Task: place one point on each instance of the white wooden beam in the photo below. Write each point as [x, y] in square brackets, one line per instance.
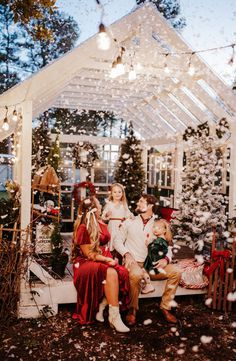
[232, 187]
[25, 163]
[185, 115]
[178, 169]
[74, 138]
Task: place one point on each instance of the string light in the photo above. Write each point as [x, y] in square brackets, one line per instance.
[5, 125]
[166, 69]
[132, 73]
[191, 69]
[231, 60]
[14, 115]
[118, 68]
[113, 73]
[103, 40]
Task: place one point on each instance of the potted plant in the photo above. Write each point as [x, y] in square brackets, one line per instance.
[60, 256]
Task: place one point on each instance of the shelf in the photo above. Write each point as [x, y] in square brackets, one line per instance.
[45, 215]
[46, 189]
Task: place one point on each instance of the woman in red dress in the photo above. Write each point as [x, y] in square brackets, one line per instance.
[98, 279]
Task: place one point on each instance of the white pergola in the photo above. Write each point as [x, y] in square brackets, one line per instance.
[160, 105]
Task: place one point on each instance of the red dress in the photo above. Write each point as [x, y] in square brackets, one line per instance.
[89, 277]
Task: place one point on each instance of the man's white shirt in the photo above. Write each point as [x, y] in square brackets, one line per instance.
[131, 238]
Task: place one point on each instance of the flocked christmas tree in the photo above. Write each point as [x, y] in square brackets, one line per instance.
[129, 171]
[201, 205]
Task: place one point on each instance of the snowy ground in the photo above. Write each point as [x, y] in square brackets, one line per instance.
[200, 335]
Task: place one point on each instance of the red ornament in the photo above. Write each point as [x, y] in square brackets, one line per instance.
[76, 191]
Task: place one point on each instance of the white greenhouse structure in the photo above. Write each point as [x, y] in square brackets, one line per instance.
[163, 100]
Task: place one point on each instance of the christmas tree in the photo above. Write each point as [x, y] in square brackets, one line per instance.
[54, 158]
[41, 146]
[201, 206]
[129, 171]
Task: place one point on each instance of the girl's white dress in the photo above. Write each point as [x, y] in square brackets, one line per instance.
[119, 212]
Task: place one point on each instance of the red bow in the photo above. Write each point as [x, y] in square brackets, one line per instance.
[219, 257]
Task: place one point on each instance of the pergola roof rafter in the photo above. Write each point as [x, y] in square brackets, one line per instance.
[156, 102]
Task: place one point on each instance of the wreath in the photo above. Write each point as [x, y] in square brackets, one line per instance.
[90, 191]
[189, 133]
[89, 150]
[222, 128]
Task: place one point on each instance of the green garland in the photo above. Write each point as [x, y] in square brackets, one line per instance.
[91, 155]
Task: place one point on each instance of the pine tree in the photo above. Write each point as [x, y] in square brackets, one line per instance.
[129, 171]
[41, 146]
[201, 206]
[64, 34]
[24, 11]
[12, 39]
[54, 158]
[87, 122]
[170, 9]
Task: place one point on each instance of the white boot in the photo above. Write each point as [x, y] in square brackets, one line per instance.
[115, 319]
[102, 306]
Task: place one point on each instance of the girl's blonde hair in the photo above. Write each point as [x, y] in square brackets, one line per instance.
[87, 215]
[123, 198]
[168, 233]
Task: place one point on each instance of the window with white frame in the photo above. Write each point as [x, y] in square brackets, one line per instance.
[105, 166]
[161, 176]
[161, 170]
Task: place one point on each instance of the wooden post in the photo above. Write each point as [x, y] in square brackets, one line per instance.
[22, 168]
[232, 187]
[22, 175]
[145, 162]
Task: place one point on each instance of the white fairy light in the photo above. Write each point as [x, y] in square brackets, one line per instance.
[132, 74]
[113, 73]
[191, 70]
[5, 125]
[120, 69]
[103, 40]
[14, 115]
[166, 69]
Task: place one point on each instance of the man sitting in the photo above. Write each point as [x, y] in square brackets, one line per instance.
[130, 243]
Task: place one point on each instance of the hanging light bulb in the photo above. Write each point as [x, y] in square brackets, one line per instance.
[103, 40]
[132, 73]
[5, 125]
[120, 69]
[166, 69]
[191, 70]
[14, 115]
[113, 73]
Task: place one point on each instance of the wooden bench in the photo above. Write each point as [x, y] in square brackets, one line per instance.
[49, 292]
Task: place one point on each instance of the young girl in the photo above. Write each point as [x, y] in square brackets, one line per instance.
[157, 245]
[116, 210]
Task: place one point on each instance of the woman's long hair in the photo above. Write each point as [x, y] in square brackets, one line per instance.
[87, 215]
[123, 198]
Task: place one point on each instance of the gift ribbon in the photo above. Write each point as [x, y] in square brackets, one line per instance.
[219, 257]
[91, 212]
